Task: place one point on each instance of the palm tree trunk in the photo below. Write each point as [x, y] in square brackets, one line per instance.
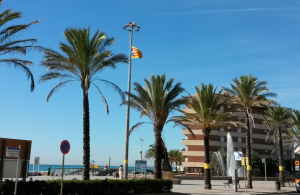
[248, 152]
[157, 153]
[86, 136]
[206, 160]
[280, 155]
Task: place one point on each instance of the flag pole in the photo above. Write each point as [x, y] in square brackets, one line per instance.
[131, 26]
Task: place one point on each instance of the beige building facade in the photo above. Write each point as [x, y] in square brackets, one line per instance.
[194, 151]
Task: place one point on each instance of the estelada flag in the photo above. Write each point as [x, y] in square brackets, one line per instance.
[136, 53]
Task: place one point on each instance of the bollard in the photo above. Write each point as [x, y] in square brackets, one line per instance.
[277, 185]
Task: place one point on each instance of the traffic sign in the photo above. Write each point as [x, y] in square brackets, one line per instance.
[245, 161]
[36, 160]
[238, 155]
[65, 147]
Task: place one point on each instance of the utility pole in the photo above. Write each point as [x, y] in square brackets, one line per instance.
[130, 26]
[141, 149]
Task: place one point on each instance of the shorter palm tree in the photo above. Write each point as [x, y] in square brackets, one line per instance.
[206, 104]
[156, 101]
[149, 154]
[278, 117]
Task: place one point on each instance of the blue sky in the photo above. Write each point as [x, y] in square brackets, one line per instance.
[207, 41]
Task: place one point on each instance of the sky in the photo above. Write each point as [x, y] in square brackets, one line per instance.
[195, 41]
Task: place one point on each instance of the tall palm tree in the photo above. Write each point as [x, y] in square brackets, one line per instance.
[156, 101]
[206, 104]
[82, 58]
[248, 92]
[8, 44]
[278, 117]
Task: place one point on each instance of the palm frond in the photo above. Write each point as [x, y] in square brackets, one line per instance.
[136, 126]
[103, 98]
[57, 87]
[22, 64]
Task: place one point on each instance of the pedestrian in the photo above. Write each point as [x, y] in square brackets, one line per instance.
[105, 167]
[121, 172]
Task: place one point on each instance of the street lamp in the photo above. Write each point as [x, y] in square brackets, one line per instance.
[130, 26]
[141, 149]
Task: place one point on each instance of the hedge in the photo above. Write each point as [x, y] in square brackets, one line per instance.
[88, 187]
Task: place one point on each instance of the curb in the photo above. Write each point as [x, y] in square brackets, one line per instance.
[265, 193]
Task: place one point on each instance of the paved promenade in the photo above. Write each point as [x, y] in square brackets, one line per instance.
[195, 187]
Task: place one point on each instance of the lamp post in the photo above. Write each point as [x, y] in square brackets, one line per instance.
[141, 149]
[130, 26]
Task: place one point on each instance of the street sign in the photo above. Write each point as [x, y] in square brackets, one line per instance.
[65, 147]
[140, 166]
[238, 155]
[245, 161]
[12, 152]
[36, 160]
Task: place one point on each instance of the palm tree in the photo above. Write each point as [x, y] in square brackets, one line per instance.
[8, 45]
[149, 154]
[206, 104]
[156, 101]
[248, 92]
[292, 135]
[172, 156]
[278, 117]
[81, 59]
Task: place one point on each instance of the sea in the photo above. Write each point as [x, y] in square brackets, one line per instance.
[44, 167]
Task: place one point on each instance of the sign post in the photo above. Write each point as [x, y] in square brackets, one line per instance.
[14, 152]
[37, 163]
[64, 148]
[245, 162]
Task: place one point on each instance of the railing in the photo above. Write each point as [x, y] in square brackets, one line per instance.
[74, 171]
[78, 171]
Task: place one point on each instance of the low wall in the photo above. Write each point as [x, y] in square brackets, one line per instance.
[195, 177]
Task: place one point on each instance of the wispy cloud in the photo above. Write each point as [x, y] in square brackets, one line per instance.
[227, 11]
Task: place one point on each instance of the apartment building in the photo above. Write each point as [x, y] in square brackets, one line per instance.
[218, 140]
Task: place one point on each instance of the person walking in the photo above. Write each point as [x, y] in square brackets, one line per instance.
[105, 167]
[121, 172]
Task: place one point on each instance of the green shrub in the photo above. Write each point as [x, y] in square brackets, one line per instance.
[87, 187]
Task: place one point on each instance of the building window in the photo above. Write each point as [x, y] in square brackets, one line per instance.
[221, 129]
[266, 131]
[229, 127]
[222, 149]
[222, 108]
[239, 119]
[266, 150]
[238, 109]
[239, 139]
[240, 149]
[222, 138]
[284, 152]
[251, 141]
[228, 106]
[239, 129]
[250, 130]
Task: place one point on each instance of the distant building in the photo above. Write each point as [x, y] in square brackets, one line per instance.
[194, 152]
